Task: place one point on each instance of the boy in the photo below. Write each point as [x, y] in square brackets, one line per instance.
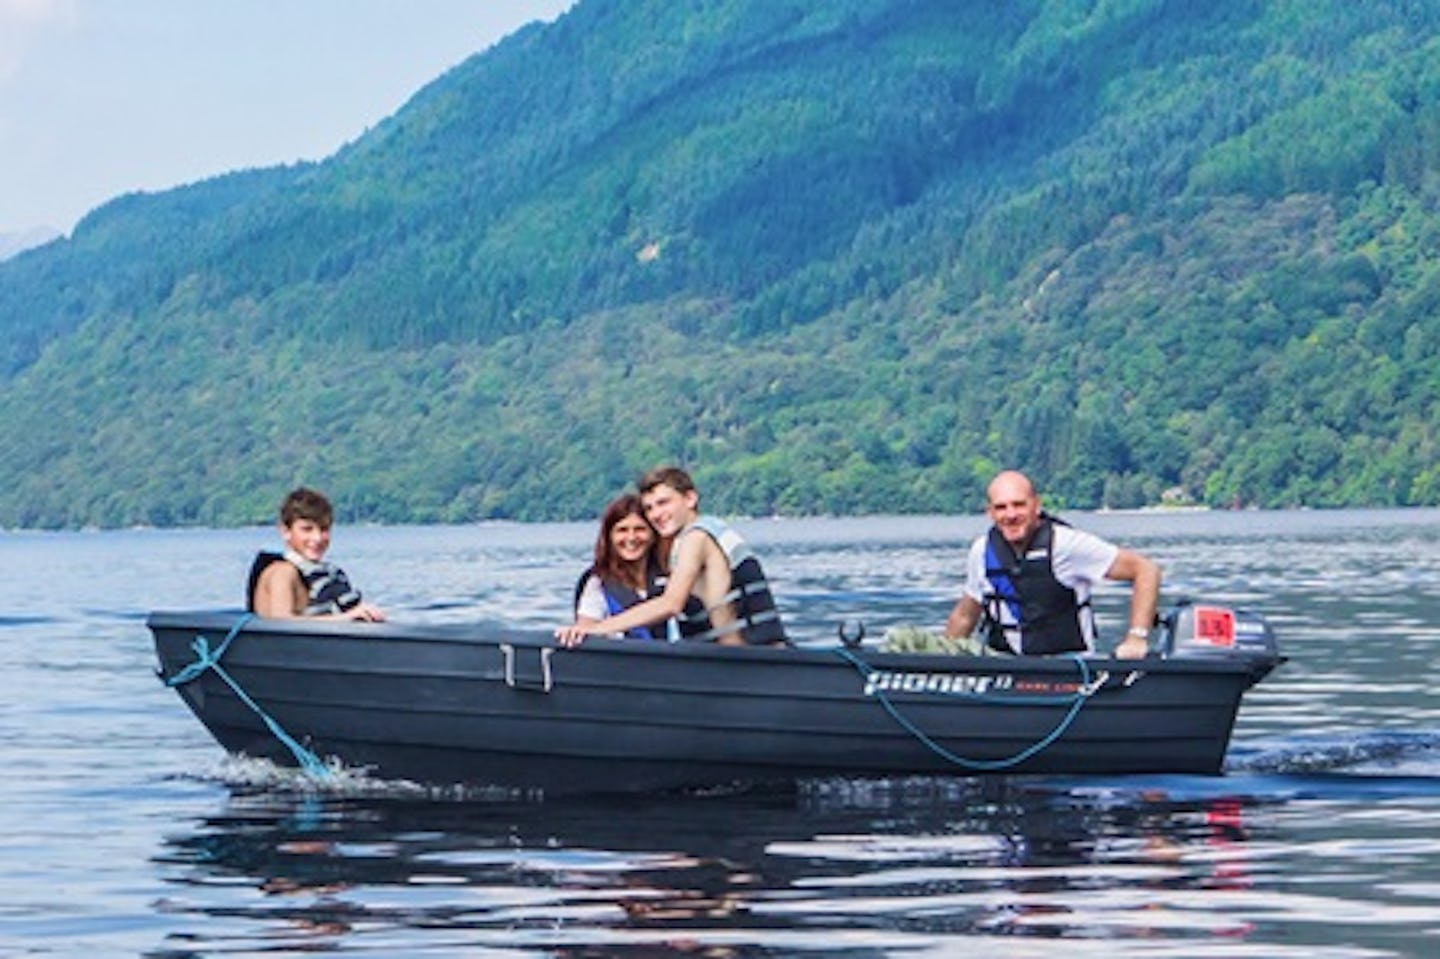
[299, 582]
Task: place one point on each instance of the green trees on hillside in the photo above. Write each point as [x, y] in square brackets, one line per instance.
[850, 257]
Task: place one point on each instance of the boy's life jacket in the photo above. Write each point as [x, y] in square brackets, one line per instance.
[327, 587]
[756, 617]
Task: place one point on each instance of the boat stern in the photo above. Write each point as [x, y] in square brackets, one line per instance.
[1205, 630]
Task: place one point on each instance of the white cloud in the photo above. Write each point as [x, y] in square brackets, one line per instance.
[21, 21]
[35, 11]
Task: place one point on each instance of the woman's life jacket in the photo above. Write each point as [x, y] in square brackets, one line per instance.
[327, 587]
[620, 596]
[1050, 616]
[756, 618]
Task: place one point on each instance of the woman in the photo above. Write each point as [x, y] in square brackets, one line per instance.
[625, 571]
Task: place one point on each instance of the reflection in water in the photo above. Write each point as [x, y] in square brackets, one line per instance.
[863, 867]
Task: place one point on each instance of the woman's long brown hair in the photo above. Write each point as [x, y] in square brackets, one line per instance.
[607, 561]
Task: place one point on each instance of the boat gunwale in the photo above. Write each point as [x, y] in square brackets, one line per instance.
[490, 634]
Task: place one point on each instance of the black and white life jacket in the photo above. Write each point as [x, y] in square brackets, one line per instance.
[756, 618]
[327, 587]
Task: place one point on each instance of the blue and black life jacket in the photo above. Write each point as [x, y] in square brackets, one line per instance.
[1046, 612]
[327, 587]
[757, 619]
[619, 596]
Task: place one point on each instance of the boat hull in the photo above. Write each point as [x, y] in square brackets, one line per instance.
[477, 705]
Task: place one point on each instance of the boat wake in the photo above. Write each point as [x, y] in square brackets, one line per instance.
[1382, 750]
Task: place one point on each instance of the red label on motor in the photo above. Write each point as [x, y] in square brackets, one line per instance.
[1214, 625]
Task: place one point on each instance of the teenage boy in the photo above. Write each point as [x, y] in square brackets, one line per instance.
[299, 582]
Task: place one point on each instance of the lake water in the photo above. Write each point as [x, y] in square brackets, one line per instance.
[125, 831]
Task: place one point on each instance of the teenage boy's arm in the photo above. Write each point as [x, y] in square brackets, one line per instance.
[275, 592]
[689, 560]
[361, 612]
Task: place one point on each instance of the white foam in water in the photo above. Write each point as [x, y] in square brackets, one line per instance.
[248, 774]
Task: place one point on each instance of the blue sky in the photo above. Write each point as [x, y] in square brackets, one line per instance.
[104, 97]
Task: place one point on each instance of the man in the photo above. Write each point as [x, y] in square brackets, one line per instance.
[1028, 580]
[299, 582]
[715, 588]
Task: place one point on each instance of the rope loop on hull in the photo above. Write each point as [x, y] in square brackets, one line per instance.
[1087, 687]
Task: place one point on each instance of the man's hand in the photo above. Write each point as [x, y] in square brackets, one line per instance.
[1133, 647]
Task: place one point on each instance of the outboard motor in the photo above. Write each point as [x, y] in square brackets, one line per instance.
[1191, 629]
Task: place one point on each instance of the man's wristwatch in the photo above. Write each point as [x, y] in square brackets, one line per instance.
[1139, 632]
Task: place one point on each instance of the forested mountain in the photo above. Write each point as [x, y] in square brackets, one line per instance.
[836, 258]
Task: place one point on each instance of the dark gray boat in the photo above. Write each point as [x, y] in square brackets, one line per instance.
[482, 706]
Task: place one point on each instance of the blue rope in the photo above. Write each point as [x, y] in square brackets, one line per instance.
[1076, 702]
[205, 659]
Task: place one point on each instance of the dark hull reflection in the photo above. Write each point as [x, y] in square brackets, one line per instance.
[734, 874]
